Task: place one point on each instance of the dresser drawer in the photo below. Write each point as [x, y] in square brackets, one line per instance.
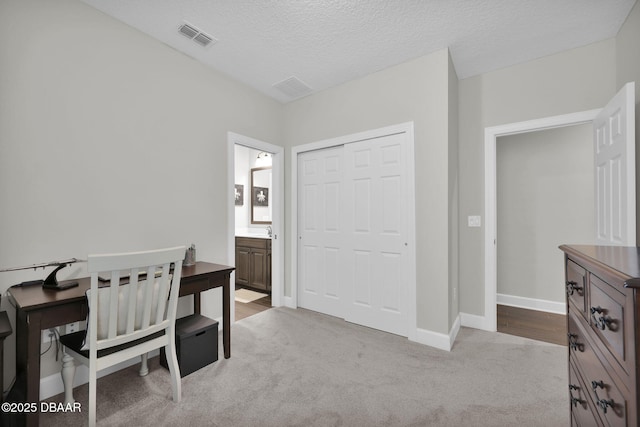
[605, 395]
[576, 286]
[607, 318]
[582, 410]
[580, 346]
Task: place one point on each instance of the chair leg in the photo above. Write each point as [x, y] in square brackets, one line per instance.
[68, 373]
[144, 366]
[174, 369]
[93, 378]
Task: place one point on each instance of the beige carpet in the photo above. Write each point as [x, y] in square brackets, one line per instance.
[300, 368]
[246, 295]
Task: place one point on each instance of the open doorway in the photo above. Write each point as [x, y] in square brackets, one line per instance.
[545, 197]
[615, 186]
[489, 320]
[255, 221]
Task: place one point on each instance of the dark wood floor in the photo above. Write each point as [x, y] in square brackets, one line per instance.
[250, 308]
[537, 325]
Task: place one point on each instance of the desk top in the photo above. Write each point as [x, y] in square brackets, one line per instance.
[35, 296]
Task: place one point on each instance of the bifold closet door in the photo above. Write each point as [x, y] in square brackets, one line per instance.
[376, 268]
[352, 231]
[320, 234]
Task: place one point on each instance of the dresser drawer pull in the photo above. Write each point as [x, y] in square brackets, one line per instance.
[574, 400]
[602, 321]
[573, 286]
[602, 403]
[573, 342]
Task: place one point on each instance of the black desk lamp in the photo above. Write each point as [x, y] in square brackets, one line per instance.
[51, 282]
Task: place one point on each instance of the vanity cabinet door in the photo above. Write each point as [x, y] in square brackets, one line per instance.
[253, 263]
[259, 269]
[243, 265]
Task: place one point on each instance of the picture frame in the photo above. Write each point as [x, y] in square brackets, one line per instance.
[260, 196]
[239, 194]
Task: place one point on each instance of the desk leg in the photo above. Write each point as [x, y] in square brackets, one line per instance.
[196, 303]
[28, 358]
[226, 316]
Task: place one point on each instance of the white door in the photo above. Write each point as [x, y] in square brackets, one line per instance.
[321, 284]
[376, 206]
[614, 140]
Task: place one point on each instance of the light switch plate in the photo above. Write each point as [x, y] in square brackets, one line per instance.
[474, 221]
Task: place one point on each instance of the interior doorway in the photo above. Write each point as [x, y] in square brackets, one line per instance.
[255, 219]
[489, 320]
[545, 198]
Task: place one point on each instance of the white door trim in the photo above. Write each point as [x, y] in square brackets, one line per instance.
[489, 320]
[277, 197]
[293, 232]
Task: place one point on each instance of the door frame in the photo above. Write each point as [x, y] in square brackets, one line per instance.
[489, 321]
[277, 220]
[292, 301]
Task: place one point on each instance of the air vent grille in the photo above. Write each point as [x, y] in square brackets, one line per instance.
[194, 33]
[188, 30]
[203, 39]
[293, 87]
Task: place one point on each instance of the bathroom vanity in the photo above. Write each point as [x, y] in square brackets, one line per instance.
[253, 262]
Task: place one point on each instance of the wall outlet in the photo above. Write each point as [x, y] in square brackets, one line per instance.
[474, 221]
[47, 335]
[73, 327]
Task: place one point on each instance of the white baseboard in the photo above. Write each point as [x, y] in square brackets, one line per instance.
[289, 302]
[436, 339]
[52, 385]
[477, 322]
[532, 303]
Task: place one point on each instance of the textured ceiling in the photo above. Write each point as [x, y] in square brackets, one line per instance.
[324, 43]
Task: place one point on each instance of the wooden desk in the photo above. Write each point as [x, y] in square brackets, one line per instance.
[38, 309]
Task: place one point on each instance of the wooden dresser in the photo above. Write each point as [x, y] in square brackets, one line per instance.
[603, 306]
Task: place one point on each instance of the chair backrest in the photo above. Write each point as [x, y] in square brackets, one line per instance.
[138, 298]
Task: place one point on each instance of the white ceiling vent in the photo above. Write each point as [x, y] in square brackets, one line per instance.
[194, 33]
[293, 87]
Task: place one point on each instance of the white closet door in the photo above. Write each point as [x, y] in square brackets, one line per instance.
[320, 253]
[375, 248]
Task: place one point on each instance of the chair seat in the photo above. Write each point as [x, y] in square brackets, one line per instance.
[75, 341]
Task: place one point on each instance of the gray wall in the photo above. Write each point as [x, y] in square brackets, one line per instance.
[415, 91]
[84, 97]
[545, 197]
[628, 70]
[454, 203]
[85, 100]
[575, 80]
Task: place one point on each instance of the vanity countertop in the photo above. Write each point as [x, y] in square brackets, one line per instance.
[253, 235]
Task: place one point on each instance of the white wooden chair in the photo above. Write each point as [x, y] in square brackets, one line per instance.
[129, 315]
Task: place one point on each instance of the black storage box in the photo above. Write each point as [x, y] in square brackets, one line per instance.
[196, 343]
